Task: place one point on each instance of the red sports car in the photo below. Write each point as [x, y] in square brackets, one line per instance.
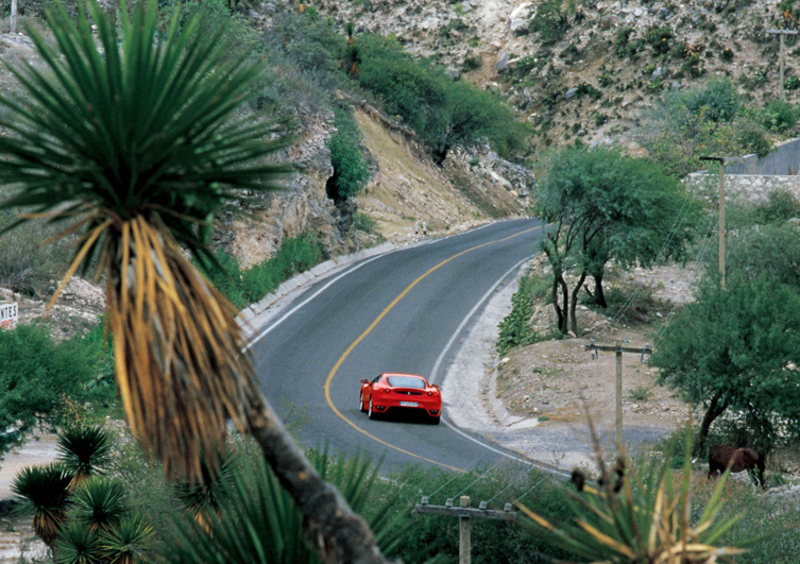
[394, 392]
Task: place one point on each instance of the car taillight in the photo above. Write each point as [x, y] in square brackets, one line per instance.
[387, 390]
[430, 393]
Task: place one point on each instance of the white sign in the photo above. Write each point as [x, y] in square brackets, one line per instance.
[9, 315]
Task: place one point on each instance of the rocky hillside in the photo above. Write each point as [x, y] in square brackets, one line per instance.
[580, 68]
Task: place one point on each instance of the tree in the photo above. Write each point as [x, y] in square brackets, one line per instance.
[135, 145]
[602, 206]
[732, 349]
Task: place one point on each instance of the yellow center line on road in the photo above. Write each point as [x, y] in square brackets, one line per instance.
[372, 326]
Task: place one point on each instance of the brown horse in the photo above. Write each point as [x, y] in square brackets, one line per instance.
[738, 459]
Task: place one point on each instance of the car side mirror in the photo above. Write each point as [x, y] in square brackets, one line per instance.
[435, 386]
[364, 381]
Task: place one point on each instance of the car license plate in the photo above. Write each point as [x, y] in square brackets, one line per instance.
[408, 404]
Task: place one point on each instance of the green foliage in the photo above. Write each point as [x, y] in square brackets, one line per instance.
[605, 205]
[658, 38]
[216, 14]
[295, 255]
[641, 393]
[444, 113]
[779, 116]
[42, 493]
[622, 42]
[350, 172]
[364, 222]
[84, 450]
[726, 55]
[260, 523]
[792, 83]
[515, 329]
[704, 120]
[772, 249]
[88, 103]
[241, 288]
[729, 350]
[471, 64]
[639, 514]
[37, 376]
[99, 503]
[26, 266]
[492, 541]
[717, 101]
[551, 21]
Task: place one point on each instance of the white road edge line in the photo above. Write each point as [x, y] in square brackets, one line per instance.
[286, 315]
[448, 346]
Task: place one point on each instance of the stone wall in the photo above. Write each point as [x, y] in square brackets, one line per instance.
[744, 187]
[784, 160]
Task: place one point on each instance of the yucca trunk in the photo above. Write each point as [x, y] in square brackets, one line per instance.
[177, 344]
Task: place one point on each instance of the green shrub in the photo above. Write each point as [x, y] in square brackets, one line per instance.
[515, 329]
[364, 222]
[350, 172]
[551, 21]
[471, 64]
[444, 113]
[726, 54]
[779, 116]
[781, 206]
[753, 140]
[38, 377]
[717, 101]
[792, 83]
[622, 41]
[295, 255]
[658, 38]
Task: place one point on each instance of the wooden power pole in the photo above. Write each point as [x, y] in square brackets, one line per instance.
[782, 33]
[721, 161]
[465, 513]
[618, 349]
[13, 22]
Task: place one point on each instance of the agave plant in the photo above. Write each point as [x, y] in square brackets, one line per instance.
[639, 517]
[84, 451]
[133, 136]
[258, 523]
[43, 492]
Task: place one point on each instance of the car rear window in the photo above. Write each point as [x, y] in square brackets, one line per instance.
[406, 382]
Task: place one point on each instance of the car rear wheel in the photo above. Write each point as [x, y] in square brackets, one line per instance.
[371, 412]
[361, 402]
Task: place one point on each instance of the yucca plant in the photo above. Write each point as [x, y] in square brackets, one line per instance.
[42, 491]
[127, 542]
[85, 451]
[639, 517]
[99, 503]
[133, 136]
[258, 523]
[78, 544]
[203, 497]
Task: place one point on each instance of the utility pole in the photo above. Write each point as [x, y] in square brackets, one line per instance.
[721, 161]
[13, 24]
[465, 513]
[782, 33]
[618, 349]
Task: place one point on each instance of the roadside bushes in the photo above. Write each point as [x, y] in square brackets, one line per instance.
[296, 254]
[39, 379]
[350, 172]
[443, 112]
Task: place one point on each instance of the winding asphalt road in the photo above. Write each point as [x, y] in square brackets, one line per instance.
[402, 311]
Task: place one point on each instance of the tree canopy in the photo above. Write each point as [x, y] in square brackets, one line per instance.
[734, 349]
[604, 205]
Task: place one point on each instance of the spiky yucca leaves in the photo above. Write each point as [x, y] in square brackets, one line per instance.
[259, 524]
[203, 497]
[639, 518]
[78, 544]
[43, 492]
[135, 145]
[99, 503]
[128, 542]
[84, 451]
